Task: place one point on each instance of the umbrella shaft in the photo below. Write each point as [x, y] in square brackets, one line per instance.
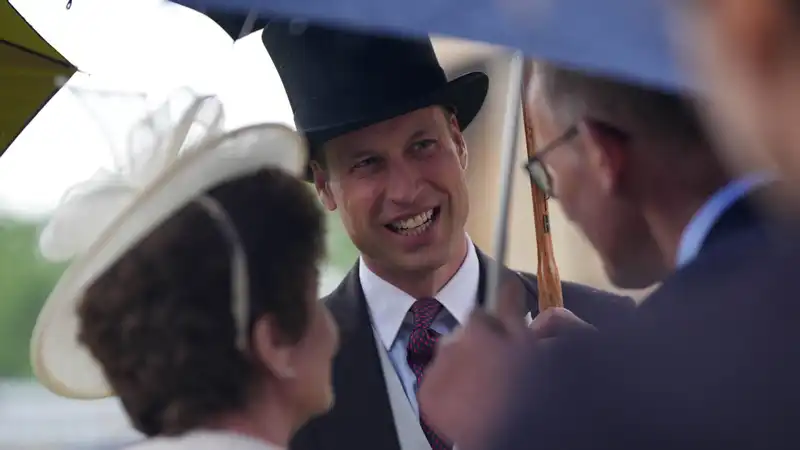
[249, 23]
[510, 136]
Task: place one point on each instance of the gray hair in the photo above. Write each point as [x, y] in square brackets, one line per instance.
[659, 117]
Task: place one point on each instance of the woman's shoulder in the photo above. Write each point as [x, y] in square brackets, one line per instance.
[160, 444]
[203, 440]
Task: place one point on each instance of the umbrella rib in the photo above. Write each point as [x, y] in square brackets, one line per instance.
[63, 63]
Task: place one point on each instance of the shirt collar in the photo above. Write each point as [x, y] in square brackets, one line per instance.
[697, 230]
[388, 305]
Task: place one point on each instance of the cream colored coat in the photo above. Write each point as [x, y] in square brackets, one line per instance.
[205, 440]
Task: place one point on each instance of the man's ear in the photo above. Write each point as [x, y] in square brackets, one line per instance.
[460, 142]
[271, 349]
[606, 152]
[463, 154]
[323, 186]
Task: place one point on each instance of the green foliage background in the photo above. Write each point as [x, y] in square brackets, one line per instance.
[26, 279]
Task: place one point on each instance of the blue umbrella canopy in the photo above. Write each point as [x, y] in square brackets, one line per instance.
[626, 39]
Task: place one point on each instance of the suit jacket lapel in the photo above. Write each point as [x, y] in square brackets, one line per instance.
[517, 295]
[362, 411]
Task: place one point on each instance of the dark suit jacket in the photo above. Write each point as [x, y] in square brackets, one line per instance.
[361, 417]
[710, 360]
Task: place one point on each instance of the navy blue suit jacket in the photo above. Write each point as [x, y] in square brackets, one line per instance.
[710, 360]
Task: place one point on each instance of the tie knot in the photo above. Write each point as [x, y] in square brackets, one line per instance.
[423, 311]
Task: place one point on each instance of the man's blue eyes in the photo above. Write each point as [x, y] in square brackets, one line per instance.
[418, 146]
[365, 162]
[426, 144]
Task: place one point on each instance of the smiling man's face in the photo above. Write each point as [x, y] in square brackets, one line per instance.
[400, 189]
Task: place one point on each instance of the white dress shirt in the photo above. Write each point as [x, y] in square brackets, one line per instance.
[390, 311]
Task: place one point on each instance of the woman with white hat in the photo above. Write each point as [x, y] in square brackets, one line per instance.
[192, 289]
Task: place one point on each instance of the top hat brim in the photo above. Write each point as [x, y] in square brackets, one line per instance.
[465, 95]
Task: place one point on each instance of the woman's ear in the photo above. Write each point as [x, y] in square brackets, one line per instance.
[270, 348]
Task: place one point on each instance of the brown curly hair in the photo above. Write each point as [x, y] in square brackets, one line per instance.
[159, 320]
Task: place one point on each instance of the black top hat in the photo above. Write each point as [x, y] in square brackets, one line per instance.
[339, 81]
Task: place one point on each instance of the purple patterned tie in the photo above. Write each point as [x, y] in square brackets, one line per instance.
[420, 351]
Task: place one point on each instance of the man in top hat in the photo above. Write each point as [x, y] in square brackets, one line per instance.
[384, 127]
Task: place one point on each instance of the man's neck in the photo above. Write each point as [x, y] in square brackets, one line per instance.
[705, 216]
[667, 226]
[680, 225]
[671, 198]
[423, 282]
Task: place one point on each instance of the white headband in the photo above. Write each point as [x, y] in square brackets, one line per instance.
[240, 277]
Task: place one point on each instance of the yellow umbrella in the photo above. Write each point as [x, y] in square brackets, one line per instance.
[29, 70]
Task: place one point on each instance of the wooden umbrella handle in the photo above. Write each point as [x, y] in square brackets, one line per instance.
[550, 294]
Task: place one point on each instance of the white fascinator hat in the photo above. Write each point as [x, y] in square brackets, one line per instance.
[167, 164]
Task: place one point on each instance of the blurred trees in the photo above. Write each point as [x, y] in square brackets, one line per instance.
[26, 279]
[342, 254]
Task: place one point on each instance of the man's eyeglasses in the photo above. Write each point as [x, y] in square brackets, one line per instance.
[538, 172]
